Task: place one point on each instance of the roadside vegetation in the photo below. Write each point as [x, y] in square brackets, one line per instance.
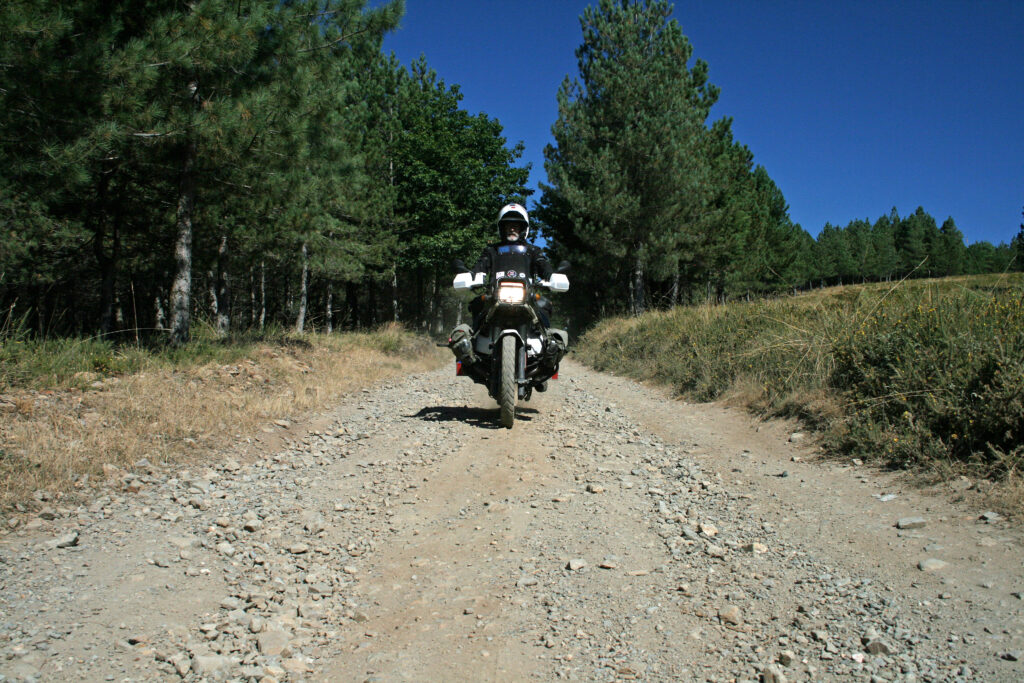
[72, 411]
[924, 374]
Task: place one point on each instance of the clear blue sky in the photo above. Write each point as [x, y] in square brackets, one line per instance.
[852, 107]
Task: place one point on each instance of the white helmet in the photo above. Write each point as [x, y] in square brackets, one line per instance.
[513, 212]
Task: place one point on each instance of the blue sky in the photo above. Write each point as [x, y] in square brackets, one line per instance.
[853, 108]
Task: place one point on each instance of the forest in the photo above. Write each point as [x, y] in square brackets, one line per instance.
[256, 163]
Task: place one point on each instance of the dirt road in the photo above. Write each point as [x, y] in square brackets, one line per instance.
[613, 534]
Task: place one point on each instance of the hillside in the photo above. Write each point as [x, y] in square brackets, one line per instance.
[924, 374]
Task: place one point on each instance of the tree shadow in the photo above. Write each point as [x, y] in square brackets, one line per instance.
[485, 418]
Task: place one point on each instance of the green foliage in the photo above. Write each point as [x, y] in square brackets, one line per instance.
[934, 373]
[46, 364]
[914, 236]
[305, 174]
[268, 139]
[922, 372]
[895, 247]
[626, 170]
[649, 202]
[452, 173]
[654, 205]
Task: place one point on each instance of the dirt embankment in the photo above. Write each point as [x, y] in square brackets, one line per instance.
[613, 534]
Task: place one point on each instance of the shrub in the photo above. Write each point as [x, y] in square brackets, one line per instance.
[914, 373]
[935, 373]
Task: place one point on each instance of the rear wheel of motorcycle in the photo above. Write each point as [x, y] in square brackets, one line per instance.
[509, 388]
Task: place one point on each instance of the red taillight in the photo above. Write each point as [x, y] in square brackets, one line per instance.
[554, 376]
[458, 368]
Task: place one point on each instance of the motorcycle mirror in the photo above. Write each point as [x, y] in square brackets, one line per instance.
[459, 267]
[563, 267]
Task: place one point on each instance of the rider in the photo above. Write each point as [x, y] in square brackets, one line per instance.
[513, 228]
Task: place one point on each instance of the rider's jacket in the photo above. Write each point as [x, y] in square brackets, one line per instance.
[540, 266]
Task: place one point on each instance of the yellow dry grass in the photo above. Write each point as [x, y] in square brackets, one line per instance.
[52, 438]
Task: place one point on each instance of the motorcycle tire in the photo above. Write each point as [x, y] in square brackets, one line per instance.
[509, 389]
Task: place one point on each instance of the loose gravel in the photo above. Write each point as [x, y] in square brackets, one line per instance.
[612, 535]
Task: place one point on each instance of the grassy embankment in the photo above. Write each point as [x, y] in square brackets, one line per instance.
[70, 407]
[922, 374]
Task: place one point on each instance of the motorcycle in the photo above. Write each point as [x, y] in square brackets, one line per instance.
[510, 338]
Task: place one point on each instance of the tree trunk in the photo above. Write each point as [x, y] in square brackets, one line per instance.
[435, 323]
[352, 302]
[159, 314]
[135, 308]
[40, 307]
[263, 294]
[371, 301]
[421, 302]
[391, 180]
[674, 291]
[636, 290]
[329, 313]
[108, 268]
[181, 290]
[223, 288]
[118, 311]
[300, 320]
[211, 291]
[394, 293]
[252, 298]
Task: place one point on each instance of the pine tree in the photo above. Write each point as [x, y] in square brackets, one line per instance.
[453, 171]
[948, 251]
[883, 246]
[60, 197]
[627, 174]
[914, 234]
[833, 254]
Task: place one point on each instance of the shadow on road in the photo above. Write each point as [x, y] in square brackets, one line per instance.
[485, 418]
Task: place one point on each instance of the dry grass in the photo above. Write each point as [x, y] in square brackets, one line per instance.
[920, 375]
[51, 439]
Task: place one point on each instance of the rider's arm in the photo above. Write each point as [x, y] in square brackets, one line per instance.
[483, 264]
[541, 264]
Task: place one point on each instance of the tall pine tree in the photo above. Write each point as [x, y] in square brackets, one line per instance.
[627, 174]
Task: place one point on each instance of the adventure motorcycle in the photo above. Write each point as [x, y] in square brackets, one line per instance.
[513, 351]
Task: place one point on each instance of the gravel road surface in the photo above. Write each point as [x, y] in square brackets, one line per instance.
[612, 534]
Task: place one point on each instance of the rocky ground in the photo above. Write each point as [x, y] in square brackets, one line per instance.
[613, 534]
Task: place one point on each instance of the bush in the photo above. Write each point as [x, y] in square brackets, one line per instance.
[935, 374]
[917, 372]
